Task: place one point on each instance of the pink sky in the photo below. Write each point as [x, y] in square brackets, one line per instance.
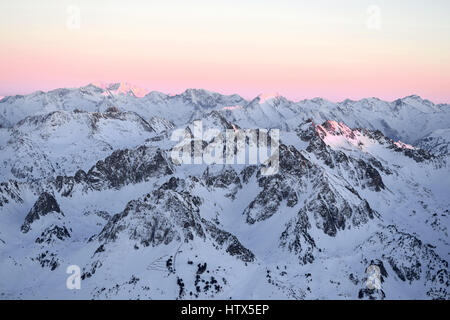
[330, 54]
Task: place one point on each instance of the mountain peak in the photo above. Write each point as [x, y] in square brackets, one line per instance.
[45, 204]
[121, 88]
[196, 91]
[209, 99]
[264, 97]
[418, 103]
[194, 94]
[316, 100]
[416, 99]
[413, 96]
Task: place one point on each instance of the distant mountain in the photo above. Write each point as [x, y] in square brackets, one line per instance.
[437, 142]
[408, 119]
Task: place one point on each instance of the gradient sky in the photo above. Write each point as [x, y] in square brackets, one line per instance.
[300, 49]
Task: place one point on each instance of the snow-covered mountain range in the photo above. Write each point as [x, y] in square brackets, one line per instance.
[86, 179]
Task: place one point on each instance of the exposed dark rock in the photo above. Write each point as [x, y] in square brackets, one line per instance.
[371, 294]
[224, 179]
[9, 192]
[44, 205]
[297, 239]
[158, 218]
[122, 167]
[226, 239]
[48, 259]
[52, 233]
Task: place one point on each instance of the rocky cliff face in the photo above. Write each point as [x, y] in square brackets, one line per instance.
[9, 192]
[121, 168]
[46, 204]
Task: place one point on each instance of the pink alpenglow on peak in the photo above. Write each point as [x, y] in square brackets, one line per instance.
[335, 128]
[339, 135]
[402, 145]
[121, 88]
[264, 97]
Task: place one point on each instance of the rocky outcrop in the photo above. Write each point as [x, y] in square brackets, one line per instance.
[274, 191]
[335, 205]
[52, 233]
[335, 210]
[45, 205]
[228, 241]
[170, 213]
[227, 178]
[297, 239]
[277, 189]
[10, 192]
[122, 167]
[363, 172]
[159, 218]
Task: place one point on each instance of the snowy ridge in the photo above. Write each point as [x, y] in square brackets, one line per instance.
[407, 119]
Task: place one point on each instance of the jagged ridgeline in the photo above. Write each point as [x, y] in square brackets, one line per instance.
[358, 207]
